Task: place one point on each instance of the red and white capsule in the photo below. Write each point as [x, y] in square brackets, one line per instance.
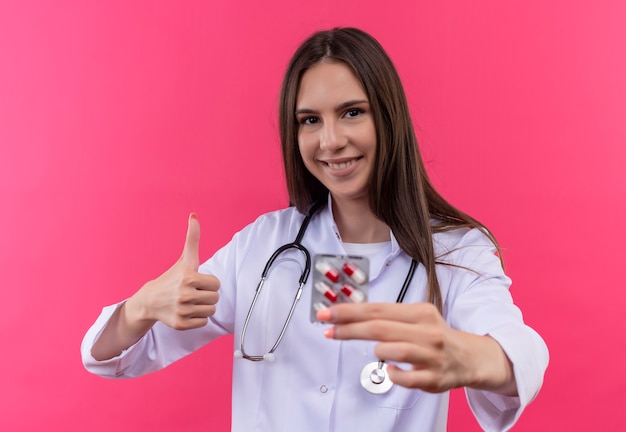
[319, 306]
[355, 273]
[323, 288]
[327, 270]
[355, 295]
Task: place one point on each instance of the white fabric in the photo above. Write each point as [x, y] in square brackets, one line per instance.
[313, 384]
[368, 250]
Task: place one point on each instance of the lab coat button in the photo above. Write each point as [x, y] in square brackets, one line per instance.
[323, 389]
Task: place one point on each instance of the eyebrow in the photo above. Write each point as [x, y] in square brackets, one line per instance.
[340, 107]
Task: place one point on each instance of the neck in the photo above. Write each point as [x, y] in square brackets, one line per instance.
[357, 223]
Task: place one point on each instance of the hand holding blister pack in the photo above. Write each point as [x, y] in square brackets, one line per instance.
[338, 279]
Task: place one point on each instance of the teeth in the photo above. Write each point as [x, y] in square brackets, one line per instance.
[339, 166]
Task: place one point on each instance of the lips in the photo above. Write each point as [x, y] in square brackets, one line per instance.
[341, 164]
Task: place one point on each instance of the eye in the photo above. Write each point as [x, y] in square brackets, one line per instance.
[308, 120]
[354, 112]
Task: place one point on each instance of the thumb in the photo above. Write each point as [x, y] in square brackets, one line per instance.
[191, 254]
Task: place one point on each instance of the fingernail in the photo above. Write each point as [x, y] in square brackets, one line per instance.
[324, 315]
[329, 333]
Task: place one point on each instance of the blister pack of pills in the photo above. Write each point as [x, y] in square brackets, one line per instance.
[338, 279]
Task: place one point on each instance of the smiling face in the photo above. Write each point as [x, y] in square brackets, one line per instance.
[336, 133]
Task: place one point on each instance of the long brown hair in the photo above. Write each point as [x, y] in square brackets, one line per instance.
[400, 192]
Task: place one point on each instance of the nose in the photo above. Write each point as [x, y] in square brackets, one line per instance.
[332, 137]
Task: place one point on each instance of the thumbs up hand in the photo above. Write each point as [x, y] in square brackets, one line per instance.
[181, 297]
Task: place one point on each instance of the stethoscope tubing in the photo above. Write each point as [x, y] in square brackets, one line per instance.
[296, 244]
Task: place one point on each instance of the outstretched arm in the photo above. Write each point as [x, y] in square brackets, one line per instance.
[441, 357]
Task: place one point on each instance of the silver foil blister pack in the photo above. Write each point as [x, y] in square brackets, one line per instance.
[338, 279]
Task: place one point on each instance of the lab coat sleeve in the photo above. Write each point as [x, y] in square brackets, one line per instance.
[478, 301]
[163, 345]
[158, 348]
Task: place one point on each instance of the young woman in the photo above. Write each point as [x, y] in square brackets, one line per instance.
[439, 311]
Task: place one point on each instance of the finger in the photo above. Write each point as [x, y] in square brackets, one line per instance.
[204, 311]
[419, 355]
[201, 281]
[201, 311]
[206, 282]
[201, 297]
[197, 288]
[378, 330]
[429, 380]
[191, 253]
[198, 322]
[190, 323]
[351, 313]
[187, 312]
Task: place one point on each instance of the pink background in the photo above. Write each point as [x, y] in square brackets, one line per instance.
[119, 118]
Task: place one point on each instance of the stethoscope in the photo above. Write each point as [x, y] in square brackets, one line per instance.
[374, 376]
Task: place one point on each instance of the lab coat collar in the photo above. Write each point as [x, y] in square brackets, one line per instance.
[379, 263]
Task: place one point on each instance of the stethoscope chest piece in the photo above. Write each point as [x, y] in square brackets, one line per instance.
[374, 378]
